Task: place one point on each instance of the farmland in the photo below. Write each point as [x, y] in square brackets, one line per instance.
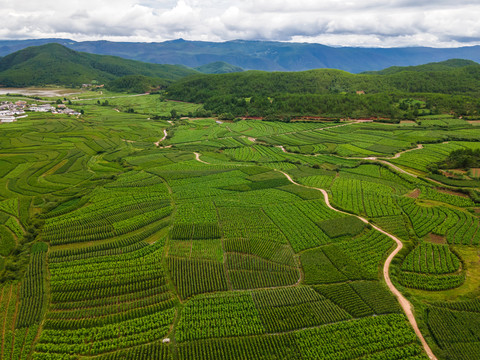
[199, 247]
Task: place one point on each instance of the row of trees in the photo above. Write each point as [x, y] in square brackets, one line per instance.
[391, 106]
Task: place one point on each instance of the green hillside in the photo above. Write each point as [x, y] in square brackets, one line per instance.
[136, 84]
[435, 78]
[218, 67]
[431, 89]
[56, 64]
[439, 66]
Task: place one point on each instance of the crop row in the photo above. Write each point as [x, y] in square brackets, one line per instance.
[192, 276]
[195, 231]
[293, 308]
[250, 223]
[456, 332]
[263, 248]
[128, 244]
[157, 351]
[431, 258]
[300, 231]
[252, 273]
[114, 206]
[368, 250]
[106, 261]
[112, 337]
[431, 282]
[85, 319]
[32, 292]
[456, 200]
[424, 219]
[109, 230]
[386, 337]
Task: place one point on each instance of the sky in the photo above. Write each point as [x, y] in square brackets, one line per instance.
[363, 23]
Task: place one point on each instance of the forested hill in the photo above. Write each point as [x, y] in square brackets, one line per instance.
[432, 78]
[56, 64]
[450, 87]
[218, 67]
[431, 67]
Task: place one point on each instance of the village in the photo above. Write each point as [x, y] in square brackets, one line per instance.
[11, 112]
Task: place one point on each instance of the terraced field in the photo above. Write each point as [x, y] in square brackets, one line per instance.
[113, 247]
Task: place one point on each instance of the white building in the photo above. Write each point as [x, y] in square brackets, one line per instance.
[7, 119]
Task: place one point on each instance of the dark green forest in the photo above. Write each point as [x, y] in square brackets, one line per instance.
[449, 87]
[54, 64]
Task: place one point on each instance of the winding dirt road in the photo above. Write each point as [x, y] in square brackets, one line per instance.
[163, 138]
[404, 303]
[197, 157]
[382, 160]
[396, 156]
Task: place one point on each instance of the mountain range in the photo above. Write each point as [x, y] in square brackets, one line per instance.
[259, 55]
[56, 64]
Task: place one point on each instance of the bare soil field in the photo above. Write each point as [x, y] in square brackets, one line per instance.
[414, 194]
[452, 192]
[46, 92]
[437, 239]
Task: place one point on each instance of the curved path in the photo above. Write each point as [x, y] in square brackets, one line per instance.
[395, 167]
[197, 157]
[382, 160]
[163, 138]
[396, 156]
[405, 304]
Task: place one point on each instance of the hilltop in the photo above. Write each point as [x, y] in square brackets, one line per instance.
[56, 64]
[400, 93]
[218, 67]
[447, 77]
[430, 67]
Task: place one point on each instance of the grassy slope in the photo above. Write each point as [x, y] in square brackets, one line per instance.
[218, 67]
[55, 64]
[435, 78]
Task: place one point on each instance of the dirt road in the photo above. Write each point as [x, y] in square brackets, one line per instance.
[197, 157]
[163, 138]
[404, 303]
[109, 97]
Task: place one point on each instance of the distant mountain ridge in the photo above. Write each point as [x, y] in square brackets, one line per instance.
[431, 67]
[218, 67]
[260, 55]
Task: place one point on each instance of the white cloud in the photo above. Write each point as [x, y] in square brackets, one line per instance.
[332, 22]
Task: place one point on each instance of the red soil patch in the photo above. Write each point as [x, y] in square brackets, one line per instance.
[452, 192]
[475, 172]
[436, 239]
[455, 173]
[252, 118]
[414, 194]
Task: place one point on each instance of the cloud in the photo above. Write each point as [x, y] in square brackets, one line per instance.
[333, 22]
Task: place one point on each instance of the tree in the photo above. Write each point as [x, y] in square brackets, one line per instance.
[173, 114]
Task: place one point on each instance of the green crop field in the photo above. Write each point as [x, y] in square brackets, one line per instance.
[115, 245]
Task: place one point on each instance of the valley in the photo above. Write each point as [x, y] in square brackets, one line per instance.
[153, 212]
[204, 244]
